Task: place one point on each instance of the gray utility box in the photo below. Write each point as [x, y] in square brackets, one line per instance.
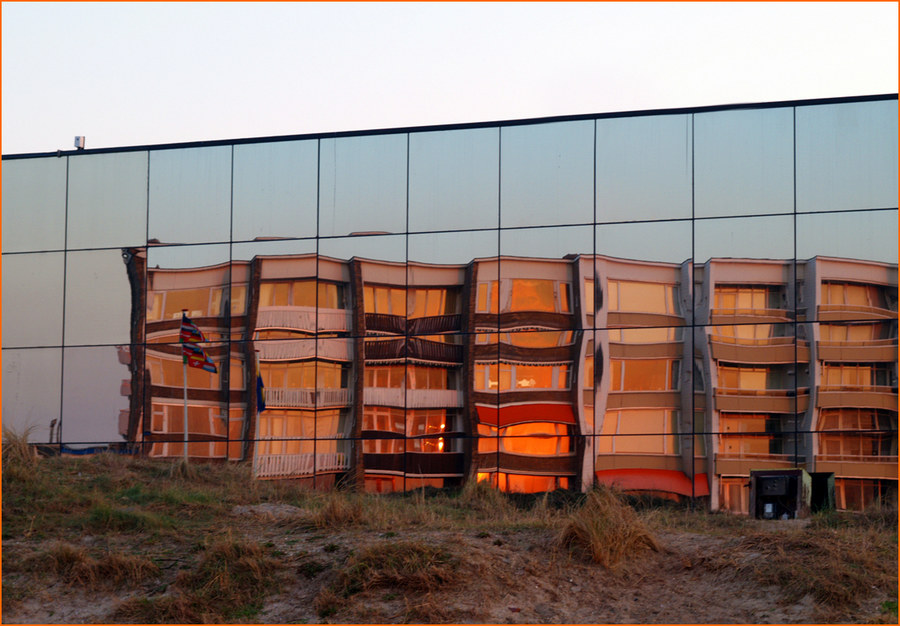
[780, 494]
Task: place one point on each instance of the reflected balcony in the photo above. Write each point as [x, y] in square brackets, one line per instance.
[856, 312]
[762, 400]
[858, 466]
[433, 464]
[723, 316]
[768, 350]
[287, 350]
[413, 398]
[295, 465]
[868, 351]
[304, 318]
[285, 397]
[863, 396]
[414, 348]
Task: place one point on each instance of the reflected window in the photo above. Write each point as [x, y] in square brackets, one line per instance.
[432, 302]
[528, 294]
[749, 297]
[202, 420]
[641, 431]
[488, 297]
[753, 378]
[521, 376]
[167, 305]
[859, 295]
[644, 374]
[638, 297]
[168, 372]
[301, 293]
[857, 375]
[589, 297]
[385, 300]
[414, 377]
[856, 333]
[304, 375]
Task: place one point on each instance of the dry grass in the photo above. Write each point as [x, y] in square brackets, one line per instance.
[75, 566]
[838, 567]
[229, 583]
[606, 529]
[18, 456]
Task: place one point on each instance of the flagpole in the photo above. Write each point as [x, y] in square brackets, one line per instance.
[184, 378]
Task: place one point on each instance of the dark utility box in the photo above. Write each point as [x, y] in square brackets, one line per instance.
[780, 494]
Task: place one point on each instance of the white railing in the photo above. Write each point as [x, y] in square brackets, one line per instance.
[285, 350]
[303, 318]
[288, 465]
[413, 398]
[306, 398]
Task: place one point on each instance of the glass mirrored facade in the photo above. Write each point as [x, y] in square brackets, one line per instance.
[663, 301]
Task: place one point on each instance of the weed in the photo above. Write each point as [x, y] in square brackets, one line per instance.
[330, 547]
[606, 529]
[404, 565]
[103, 518]
[311, 569]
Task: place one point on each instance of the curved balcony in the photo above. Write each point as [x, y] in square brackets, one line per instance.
[839, 312]
[750, 316]
[304, 318]
[771, 350]
[293, 349]
[284, 397]
[762, 400]
[413, 398]
[863, 396]
[870, 351]
[296, 465]
[414, 348]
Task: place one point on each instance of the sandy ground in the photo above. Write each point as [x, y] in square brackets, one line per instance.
[515, 576]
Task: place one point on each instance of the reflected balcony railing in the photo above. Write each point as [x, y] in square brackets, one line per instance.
[856, 458]
[286, 397]
[414, 348]
[413, 398]
[287, 465]
[778, 393]
[761, 456]
[286, 350]
[853, 311]
[305, 318]
[767, 313]
[765, 341]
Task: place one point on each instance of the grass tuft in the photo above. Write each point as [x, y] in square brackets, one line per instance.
[404, 565]
[74, 566]
[18, 455]
[606, 529]
[103, 517]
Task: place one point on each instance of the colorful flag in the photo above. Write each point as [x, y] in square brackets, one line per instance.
[192, 354]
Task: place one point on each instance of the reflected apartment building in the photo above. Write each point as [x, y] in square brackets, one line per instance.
[533, 373]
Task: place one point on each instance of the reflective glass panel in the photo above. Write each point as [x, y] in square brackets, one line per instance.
[190, 195]
[749, 237]
[98, 298]
[546, 174]
[743, 162]
[107, 200]
[34, 204]
[31, 391]
[32, 299]
[644, 168]
[95, 395]
[452, 248]
[547, 242]
[847, 156]
[275, 189]
[379, 247]
[454, 179]
[668, 242]
[865, 235]
[362, 183]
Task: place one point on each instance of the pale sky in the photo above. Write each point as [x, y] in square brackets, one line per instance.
[147, 73]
